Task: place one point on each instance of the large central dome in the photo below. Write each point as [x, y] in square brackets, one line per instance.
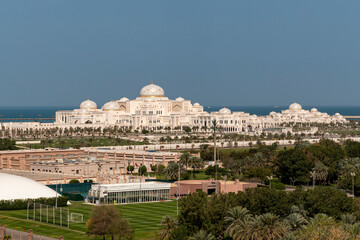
[152, 90]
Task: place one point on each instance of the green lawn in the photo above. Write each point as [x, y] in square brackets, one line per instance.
[144, 218]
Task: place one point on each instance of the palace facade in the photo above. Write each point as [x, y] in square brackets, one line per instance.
[152, 110]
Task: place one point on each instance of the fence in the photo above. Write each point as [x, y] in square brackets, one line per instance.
[49, 214]
[75, 191]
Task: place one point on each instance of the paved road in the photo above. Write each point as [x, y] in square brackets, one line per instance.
[19, 235]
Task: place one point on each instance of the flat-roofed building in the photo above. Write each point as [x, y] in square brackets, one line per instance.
[124, 193]
[209, 186]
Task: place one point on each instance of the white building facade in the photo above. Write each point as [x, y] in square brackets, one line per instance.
[152, 110]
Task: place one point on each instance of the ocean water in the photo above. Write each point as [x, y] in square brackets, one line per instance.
[49, 112]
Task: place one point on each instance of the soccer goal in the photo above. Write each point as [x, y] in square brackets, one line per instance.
[76, 217]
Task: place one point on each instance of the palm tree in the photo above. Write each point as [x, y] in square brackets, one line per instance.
[185, 158]
[240, 220]
[267, 227]
[320, 171]
[202, 235]
[172, 171]
[168, 224]
[295, 221]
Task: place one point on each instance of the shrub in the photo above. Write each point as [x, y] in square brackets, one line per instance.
[18, 204]
[142, 170]
[280, 186]
[72, 181]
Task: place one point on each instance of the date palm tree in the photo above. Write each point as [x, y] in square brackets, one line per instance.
[267, 227]
[185, 159]
[240, 220]
[202, 235]
[168, 224]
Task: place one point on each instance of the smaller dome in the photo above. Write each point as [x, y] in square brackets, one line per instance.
[313, 110]
[88, 104]
[83, 111]
[179, 99]
[337, 114]
[253, 117]
[196, 105]
[123, 99]
[272, 113]
[295, 106]
[225, 111]
[111, 106]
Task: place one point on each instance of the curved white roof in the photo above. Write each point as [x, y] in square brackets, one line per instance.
[196, 104]
[179, 99]
[88, 104]
[152, 90]
[123, 99]
[295, 106]
[111, 106]
[16, 187]
[225, 111]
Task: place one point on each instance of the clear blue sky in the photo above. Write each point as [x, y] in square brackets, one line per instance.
[242, 53]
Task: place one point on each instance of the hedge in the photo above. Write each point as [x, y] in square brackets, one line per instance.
[18, 204]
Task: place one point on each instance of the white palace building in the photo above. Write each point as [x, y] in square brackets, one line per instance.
[152, 110]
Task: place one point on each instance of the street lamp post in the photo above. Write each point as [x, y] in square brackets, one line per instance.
[178, 197]
[353, 183]
[313, 174]
[270, 178]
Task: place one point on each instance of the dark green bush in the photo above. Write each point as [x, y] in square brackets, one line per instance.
[22, 203]
[280, 186]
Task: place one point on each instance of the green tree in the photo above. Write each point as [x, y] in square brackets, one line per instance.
[72, 181]
[202, 235]
[185, 158]
[239, 220]
[268, 227]
[7, 144]
[294, 166]
[193, 211]
[172, 171]
[105, 221]
[142, 170]
[130, 168]
[168, 225]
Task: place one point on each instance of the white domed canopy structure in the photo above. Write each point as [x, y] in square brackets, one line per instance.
[179, 99]
[16, 187]
[152, 90]
[196, 104]
[313, 110]
[295, 106]
[123, 99]
[225, 111]
[88, 104]
[111, 106]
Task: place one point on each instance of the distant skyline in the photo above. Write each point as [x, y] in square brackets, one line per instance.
[217, 53]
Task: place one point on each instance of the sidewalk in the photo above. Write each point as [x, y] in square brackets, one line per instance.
[20, 235]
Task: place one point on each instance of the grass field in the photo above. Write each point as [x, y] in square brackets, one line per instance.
[144, 219]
